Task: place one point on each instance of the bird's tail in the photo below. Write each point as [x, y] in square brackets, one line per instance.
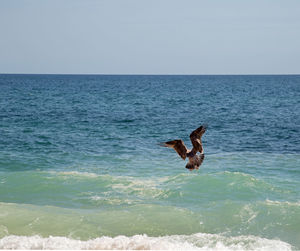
[200, 159]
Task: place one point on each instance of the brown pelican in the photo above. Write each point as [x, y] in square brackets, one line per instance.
[195, 160]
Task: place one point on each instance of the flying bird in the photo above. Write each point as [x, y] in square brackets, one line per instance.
[195, 160]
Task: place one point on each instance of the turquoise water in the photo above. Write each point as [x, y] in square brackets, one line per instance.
[80, 164]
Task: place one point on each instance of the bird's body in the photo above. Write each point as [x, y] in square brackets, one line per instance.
[195, 160]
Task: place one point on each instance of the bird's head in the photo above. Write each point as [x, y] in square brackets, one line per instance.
[190, 166]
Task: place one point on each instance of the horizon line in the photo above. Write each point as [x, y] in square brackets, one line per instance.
[155, 74]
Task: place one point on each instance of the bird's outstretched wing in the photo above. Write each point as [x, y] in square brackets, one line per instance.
[195, 137]
[178, 146]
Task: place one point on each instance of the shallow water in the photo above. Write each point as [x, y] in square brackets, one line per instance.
[80, 160]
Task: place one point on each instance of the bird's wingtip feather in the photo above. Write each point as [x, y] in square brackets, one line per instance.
[162, 144]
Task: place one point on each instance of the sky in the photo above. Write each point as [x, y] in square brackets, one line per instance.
[150, 36]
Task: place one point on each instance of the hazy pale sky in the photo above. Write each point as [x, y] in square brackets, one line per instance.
[150, 36]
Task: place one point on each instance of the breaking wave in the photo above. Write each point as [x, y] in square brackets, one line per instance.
[199, 241]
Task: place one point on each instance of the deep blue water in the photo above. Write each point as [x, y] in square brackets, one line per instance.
[87, 147]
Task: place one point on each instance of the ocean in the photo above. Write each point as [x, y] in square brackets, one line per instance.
[81, 166]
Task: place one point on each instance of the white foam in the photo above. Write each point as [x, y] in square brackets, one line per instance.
[76, 173]
[142, 187]
[282, 203]
[198, 241]
[112, 201]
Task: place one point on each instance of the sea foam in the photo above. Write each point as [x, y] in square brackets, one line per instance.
[199, 241]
